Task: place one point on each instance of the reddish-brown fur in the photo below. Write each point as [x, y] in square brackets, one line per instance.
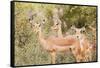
[56, 44]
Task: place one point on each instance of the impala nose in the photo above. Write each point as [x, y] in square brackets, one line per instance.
[77, 37]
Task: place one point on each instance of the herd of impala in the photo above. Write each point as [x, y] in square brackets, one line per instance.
[77, 43]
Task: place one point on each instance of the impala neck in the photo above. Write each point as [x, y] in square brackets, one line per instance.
[42, 38]
[40, 33]
[59, 31]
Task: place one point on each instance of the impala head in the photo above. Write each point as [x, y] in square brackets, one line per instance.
[37, 26]
[38, 19]
[56, 26]
[78, 31]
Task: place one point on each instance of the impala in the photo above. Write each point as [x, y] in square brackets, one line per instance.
[85, 45]
[57, 28]
[56, 44]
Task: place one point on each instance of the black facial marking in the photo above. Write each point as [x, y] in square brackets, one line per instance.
[44, 20]
[39, 25]
[57, 23]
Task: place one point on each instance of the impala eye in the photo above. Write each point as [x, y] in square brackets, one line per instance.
[75, 31]
[57, 23]
[39, 24]
[82, 31]
[33, 25]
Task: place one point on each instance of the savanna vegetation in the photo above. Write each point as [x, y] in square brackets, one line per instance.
[28, 50]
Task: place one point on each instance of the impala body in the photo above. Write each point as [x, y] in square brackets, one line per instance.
[55, 44]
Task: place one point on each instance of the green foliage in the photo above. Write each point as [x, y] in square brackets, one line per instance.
[28, 50]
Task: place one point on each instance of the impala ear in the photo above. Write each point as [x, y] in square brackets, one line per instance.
[73, 27]
[83, 28]
[43, 21]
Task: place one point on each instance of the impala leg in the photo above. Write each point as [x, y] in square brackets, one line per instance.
[53, 57]
[77, 54]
